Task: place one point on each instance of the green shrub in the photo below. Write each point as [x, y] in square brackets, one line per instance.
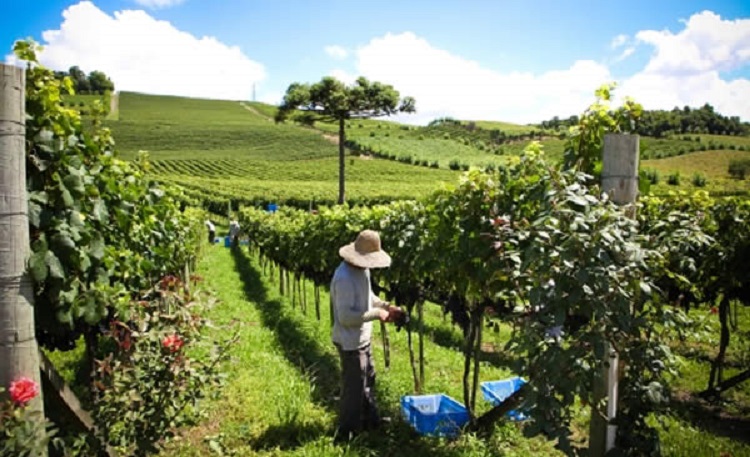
[732, 147]
[699, 180]
[739, 168]
[372, 134]
[652, 175]
[674, 179]
[454, 165]
[435, 164]
[149, 384]
[465, 166]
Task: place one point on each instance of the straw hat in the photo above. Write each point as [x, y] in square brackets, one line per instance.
[365, 252]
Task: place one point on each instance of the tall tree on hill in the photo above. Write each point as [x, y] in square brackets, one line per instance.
[333, 100]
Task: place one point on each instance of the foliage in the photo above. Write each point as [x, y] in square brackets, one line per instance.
[100, 228]
[23, 432]
[333, 100]
[583, 148]
[699, 180]
[739, 168]
[95, 82]
[661, 123]
[531, 241]
[152, 380]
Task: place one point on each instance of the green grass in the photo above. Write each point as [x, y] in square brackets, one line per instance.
[712, 164]
[507, 127]
[278, 398]
[303, 180]
[185, 128]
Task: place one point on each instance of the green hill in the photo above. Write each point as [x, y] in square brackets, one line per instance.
[234, 150]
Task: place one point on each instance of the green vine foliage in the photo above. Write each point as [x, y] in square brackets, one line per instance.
[100, 229]
[536, 245]
[585, 142]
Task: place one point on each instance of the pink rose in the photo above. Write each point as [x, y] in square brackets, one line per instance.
[23, 390]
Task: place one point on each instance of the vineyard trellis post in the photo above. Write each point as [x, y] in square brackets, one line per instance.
[18, 346]
[620, 182]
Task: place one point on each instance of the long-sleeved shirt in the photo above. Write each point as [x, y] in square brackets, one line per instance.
[354, 307]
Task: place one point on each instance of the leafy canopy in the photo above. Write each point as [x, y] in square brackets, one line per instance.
[331, 98]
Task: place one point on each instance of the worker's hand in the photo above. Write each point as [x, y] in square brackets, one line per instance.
[394, 313]
[384, 315]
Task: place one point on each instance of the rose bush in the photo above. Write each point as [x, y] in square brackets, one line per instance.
[156, 370]
[22, 431]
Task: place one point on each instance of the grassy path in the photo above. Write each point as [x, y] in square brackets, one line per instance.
[278, 398]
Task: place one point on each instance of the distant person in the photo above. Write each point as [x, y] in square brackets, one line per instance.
[355, 306]
[234, 232]
[211, 231]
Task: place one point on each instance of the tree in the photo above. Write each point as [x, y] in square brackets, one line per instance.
[332, 100]
[100, 82]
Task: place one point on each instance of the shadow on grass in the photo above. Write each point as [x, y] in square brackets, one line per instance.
[288, 436]
[449, 339]
[302, 350]
[306, 353]
[711, 418]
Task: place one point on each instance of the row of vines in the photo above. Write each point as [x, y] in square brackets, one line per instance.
[542, 247]
[111, 252]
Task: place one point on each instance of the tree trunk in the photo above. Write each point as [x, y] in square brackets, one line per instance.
[717, 368]
[478, 321]
[316, 293]
[19, 353]
[468, 354]
[420, 315]
[342, 157]
[386, 345]
[417, 385]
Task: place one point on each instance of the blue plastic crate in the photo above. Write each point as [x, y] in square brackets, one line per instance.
[497, 391]
[227, 242]
[437, 414]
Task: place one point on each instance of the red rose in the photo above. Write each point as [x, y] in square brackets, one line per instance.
[23, 390]
[172, 342]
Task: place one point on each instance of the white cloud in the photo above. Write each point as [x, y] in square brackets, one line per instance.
[707, 43]
[448, 85]
[627, 52]
[337, 52]
[618, 41]
[143, 54]
[685, 69]
[155, 4]
[343, 76]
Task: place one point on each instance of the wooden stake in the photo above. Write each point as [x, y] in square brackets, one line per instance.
[19, 353]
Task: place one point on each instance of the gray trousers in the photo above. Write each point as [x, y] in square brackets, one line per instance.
[358, 409]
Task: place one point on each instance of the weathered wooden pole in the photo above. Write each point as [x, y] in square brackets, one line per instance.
[19, 355]
[620, 182]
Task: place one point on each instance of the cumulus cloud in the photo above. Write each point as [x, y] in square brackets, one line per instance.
[707, 43]
[143, 54]
[156, 4]
[448, 85]
[337, 52]
[685, 69]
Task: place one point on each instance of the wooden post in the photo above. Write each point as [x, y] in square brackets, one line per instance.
[620, 182]
[18, 347]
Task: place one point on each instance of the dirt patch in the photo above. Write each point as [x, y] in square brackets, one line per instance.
[332, 138]
[255, 111]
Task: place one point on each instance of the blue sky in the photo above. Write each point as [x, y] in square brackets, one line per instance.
[517, 61]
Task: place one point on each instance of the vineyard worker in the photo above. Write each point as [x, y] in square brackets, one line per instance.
[211, 231]
[355, 306]
[234, 232]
